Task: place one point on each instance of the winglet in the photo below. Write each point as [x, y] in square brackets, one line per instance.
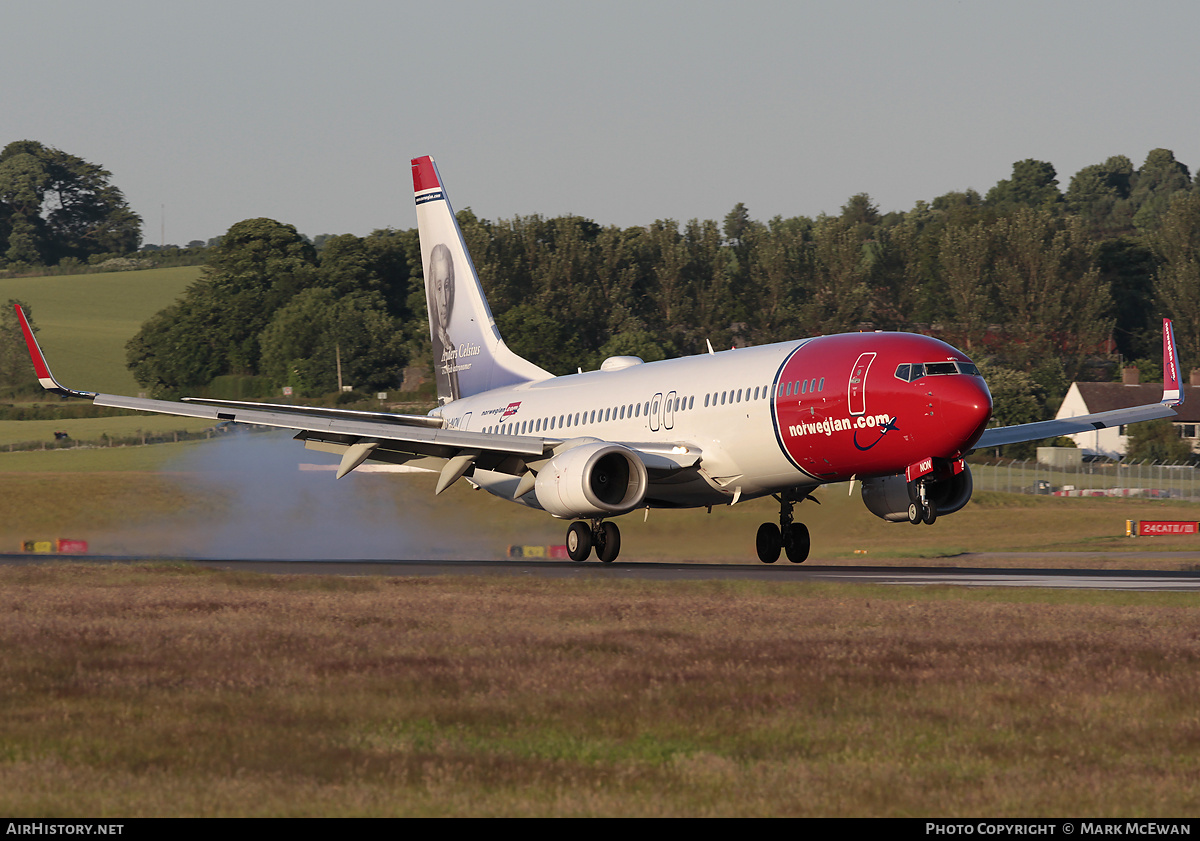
[39, 362]
[1172, 390]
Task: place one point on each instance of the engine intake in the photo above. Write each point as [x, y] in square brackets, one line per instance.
[887, 497]
[592, 480]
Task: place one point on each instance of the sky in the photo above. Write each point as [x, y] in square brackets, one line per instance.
[308, 111]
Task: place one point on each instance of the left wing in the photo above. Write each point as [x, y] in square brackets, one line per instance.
[1172, 396]
[418, 440]
[357, 436]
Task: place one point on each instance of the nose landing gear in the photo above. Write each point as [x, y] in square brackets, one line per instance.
[922, 509]
[604, 536]
[792, 538]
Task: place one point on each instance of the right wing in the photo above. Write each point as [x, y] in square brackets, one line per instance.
[1172, 396]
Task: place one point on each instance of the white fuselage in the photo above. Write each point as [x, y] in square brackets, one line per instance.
[718, 403]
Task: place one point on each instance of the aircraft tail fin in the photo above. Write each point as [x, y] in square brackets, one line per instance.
[469, 356]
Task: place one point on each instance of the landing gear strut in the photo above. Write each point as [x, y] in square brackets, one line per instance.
[606, 537]
[792, 538]
[921, 509]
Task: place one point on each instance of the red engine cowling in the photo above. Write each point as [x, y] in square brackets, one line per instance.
[591, 480]
[887, 497]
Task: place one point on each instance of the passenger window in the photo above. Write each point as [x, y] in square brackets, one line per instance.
[821, 385]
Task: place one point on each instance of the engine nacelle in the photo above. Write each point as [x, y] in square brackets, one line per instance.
[592, 480]
[887, 497]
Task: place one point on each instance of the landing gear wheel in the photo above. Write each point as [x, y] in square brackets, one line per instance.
[579, 542]
[798, 543]
[768, 543]
[929, 515]
[914, 513]
[608, 542]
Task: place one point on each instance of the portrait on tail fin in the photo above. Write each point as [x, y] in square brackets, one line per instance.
[441, 309]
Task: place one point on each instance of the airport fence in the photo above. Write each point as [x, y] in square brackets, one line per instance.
[137, 439]
[1146, 480]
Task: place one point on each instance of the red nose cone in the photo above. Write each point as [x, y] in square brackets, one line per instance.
[966, 408]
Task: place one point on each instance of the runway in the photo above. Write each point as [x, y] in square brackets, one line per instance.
[940, 575]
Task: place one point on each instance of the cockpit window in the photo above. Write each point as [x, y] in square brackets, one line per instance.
[940, 368]
[910, 371]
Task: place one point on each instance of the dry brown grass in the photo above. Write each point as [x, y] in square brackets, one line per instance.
[157, 690]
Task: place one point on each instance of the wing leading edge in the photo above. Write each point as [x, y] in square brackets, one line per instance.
[1172, 396]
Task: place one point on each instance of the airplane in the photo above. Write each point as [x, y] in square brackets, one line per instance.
[895, 412]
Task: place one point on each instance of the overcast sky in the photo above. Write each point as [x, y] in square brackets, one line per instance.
[623, 112]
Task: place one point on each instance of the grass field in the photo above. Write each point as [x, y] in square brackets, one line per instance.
[159, 690]
[84, 321]
[165, 689]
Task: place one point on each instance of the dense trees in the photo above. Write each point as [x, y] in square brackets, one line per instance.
[16, 374]
[55, 206]
[1032, 280]
[268, 305]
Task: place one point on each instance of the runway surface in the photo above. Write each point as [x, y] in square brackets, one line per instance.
[1084, 579]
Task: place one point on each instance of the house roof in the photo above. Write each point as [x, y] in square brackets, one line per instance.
[1104, 397]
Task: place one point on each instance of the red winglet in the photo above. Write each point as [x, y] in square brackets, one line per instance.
[425, 175]
[1172, 392]
[39, 361]
[35, 353]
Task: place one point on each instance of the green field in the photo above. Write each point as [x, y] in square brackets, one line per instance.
[84, 321]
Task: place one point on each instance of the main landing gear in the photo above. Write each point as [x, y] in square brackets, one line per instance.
[791, 537]
[581, 537]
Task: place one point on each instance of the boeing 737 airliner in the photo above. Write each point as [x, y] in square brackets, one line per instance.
[896, 412]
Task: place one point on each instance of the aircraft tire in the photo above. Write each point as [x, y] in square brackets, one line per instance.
[579, 542]
[929, 515]
[609, 545]
[914, 513]
[797, 548]
[768, 542]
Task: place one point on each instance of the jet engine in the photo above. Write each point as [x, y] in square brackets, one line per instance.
[888, 497]
[591, 480]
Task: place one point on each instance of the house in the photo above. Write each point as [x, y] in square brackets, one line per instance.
[1087, 398]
